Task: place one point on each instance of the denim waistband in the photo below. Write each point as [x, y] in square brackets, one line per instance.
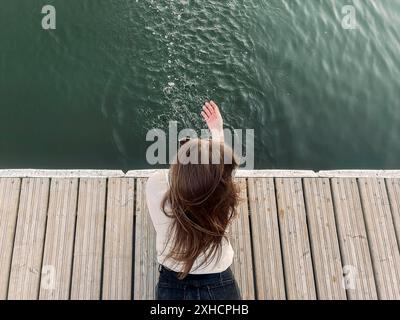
[196, 279]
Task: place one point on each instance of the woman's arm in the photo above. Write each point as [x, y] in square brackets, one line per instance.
[212, 116]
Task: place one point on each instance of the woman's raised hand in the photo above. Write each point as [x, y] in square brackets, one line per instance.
[212, 116]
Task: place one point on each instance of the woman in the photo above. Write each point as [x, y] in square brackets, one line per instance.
[191, 207]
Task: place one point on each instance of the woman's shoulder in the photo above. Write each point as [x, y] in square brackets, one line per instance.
[156, 189]
[157, 181]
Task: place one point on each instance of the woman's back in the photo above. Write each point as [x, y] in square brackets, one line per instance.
[156, 188]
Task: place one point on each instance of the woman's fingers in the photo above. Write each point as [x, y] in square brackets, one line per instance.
[204, 115]
[210, 109]
[207, 110]
[214, 105]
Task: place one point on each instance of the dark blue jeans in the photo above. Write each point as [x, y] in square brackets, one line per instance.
[213, 286]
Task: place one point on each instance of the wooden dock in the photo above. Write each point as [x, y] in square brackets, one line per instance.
[298, 235]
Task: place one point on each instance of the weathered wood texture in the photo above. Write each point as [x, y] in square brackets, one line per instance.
[294, 238]
[29, 239]
[117, 275]
[296, 248]
[88, 250]
[268, 267]
[240, 239]
[358, 277]
[146, 271]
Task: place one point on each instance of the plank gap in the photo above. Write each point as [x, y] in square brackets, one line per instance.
[306, 209]
[133, 239]
[73, 241]
[337, 232]
[13, 241]
[251, 240]
[44, 239]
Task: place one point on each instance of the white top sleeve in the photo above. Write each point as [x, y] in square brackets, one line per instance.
[156, 188]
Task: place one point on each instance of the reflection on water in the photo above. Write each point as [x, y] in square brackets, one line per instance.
[84, 95]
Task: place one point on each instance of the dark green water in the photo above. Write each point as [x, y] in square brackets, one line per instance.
[84, 95]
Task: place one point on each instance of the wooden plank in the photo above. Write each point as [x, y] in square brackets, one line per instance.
[382, 237]
[146, 271]
[9, 197]
[393, 187]
[324, 241]
[357, 266]
[239, 235]
[240, 173]
[294, 237]
[268, 267]
[118, 248]
[60, 232]
[50, 173]
[29, 239]
[359, 173]
[88, 249]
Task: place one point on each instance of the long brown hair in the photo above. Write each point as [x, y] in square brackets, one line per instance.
[202, 199]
